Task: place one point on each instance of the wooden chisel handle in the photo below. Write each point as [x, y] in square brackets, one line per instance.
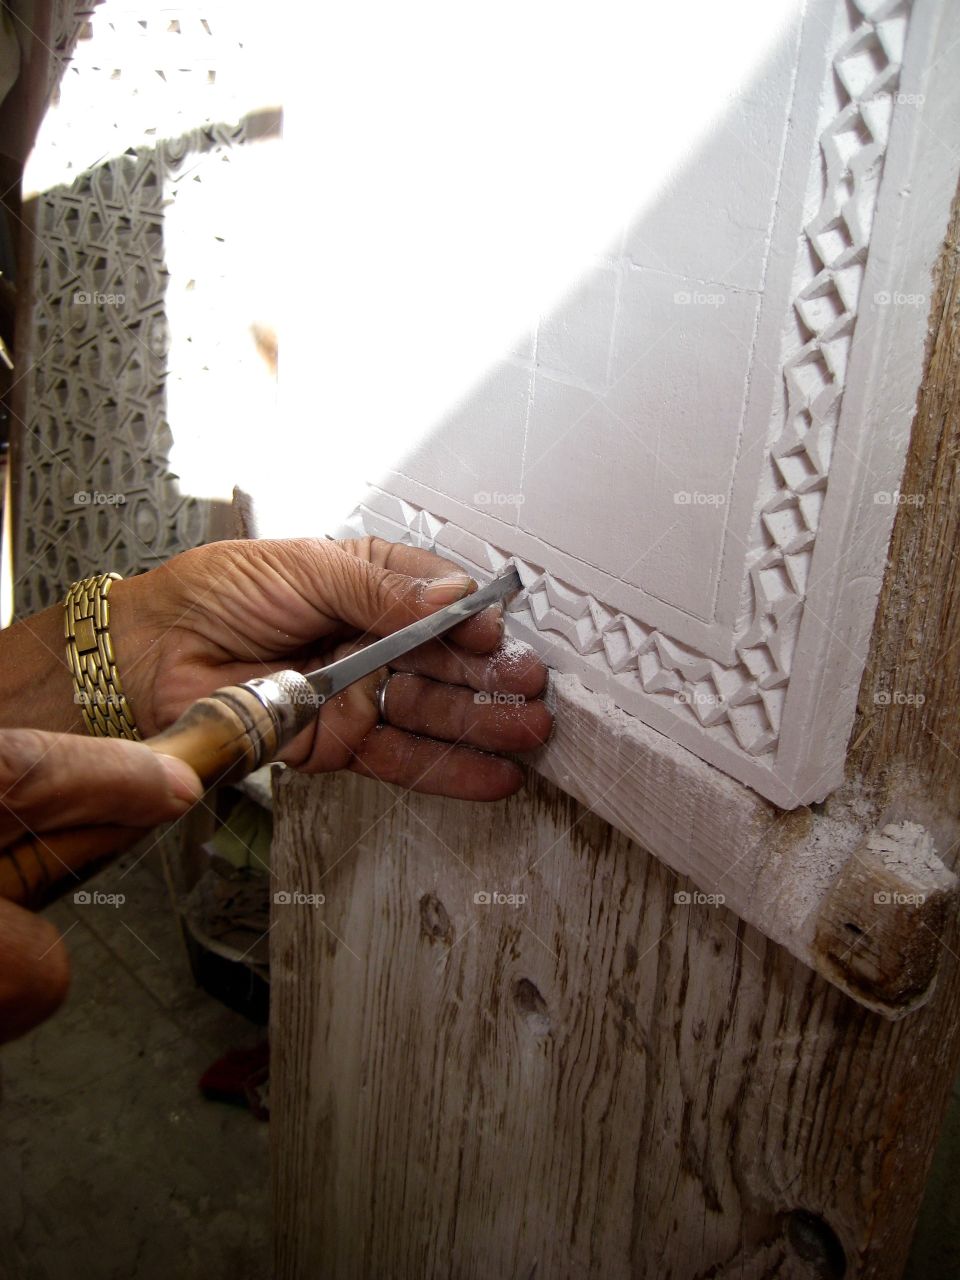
[223, 738]
[241, 727]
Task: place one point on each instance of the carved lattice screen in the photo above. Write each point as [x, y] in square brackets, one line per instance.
[97, 489]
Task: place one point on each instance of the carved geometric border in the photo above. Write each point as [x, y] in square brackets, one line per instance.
[744, 700]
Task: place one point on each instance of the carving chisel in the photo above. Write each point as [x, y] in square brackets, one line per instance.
[237, 729]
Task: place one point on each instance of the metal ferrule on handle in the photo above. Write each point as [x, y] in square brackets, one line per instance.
[239, 728]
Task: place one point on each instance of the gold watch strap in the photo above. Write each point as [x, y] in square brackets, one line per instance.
[98, 690]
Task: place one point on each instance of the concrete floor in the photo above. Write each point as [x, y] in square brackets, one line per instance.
[112, 1164]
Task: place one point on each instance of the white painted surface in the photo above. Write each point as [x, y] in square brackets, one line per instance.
[610, 300]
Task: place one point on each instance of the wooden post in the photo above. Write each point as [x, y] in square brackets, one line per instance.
[598, 1080]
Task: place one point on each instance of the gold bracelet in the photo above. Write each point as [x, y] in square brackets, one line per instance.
[98, 691]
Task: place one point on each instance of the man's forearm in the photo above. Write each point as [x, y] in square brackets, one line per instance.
[36, 685]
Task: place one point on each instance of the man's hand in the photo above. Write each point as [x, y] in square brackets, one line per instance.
[65, 801]
[218, 615]
[224, 613]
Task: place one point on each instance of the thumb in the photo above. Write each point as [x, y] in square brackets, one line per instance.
[381, 601]
[49, 781]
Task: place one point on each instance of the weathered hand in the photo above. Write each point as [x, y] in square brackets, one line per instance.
[67, 800]
[230, 611]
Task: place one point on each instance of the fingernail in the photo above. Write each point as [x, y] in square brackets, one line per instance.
[441, 591]
[183, 782]
[492, 616]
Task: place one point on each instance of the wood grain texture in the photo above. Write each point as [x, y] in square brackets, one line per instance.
[599, 1081]
[907, 713]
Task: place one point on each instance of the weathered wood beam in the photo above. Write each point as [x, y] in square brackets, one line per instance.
[806, 879]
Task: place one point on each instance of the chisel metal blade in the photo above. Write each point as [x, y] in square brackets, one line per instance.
[328, 681]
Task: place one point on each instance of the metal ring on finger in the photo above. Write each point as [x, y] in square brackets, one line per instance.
[382, 697]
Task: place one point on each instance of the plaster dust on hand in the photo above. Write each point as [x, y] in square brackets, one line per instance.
[513, 655]
[510, 666]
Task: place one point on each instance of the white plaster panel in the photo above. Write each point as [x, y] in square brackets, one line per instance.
[573, 340]
[723, 340]
[713, 218]
[637, 480]
[475, 455]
